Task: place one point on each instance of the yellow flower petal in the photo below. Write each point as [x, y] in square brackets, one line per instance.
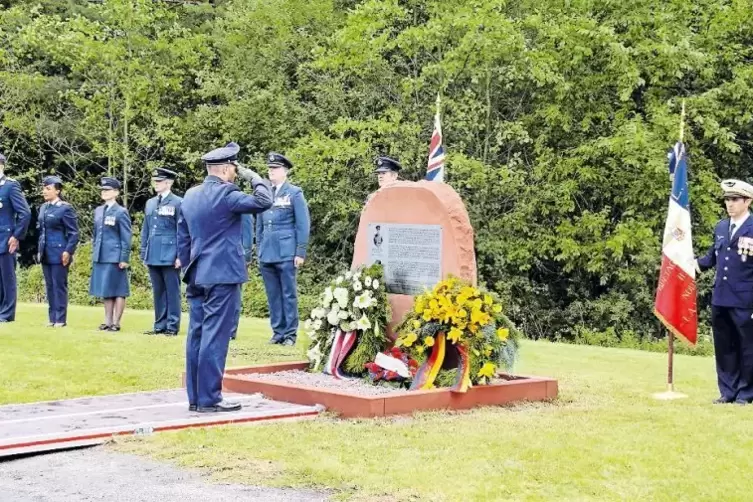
[429, 341]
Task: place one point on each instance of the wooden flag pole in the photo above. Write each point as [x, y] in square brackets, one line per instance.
[670, 393]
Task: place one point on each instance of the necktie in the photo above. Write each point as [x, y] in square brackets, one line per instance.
[732, 230]
[159, 200]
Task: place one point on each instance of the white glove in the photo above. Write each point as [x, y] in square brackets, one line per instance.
[248, 174]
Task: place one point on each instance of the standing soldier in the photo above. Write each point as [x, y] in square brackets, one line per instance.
[211, 252]
[58, 236]
[282, 234]
[14, 221]
[732, 297]
[111, 251]
[387, 171]
[159, 251]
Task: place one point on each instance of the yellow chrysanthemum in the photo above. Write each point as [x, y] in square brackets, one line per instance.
[454, 335]
[488, 299]
[497, 308]
[427, 315]
[503, 333]
[487, 370]
[409, 339]
[416, 324]
[429, 341]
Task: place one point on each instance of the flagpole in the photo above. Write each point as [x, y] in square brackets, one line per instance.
[670, 393]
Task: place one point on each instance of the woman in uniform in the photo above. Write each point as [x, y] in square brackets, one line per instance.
[57, 227]
[110, 253]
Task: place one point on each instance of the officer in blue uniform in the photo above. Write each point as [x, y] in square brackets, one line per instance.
[732, 297]
[57, 228]
[159, 251]
[282, 235]
[14, 222]
[211, 251]
[110, 254]
[387, 171]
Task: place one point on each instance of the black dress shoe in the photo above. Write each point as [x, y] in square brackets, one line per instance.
[104, 327]
[222, 406]
[170, 333]
[114, 327]
[288, 342]
[154, 332]
[741, 402]
[5, 320]
[723, 400]
[275, 341]
[191, 407]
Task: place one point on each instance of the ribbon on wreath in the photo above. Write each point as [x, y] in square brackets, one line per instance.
[341, 346]
[427, 373]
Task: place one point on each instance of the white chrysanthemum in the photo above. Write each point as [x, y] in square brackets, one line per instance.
[315, 355]
[308, 324]
[348, 275]
[327, 298]
[343, 314]
[375, 284]
[318, 324]
[339, 280]
[332, 317]
[341, 295]
[367, 281]
[357, 286]
[363, 323]
[319, 313]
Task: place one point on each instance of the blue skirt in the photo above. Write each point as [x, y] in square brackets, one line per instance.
[109, 281]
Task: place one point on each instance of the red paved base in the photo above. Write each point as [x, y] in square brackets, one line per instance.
[515, 388]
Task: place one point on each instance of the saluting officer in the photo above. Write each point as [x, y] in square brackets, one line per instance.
[387, 171]
[159, 251]
[57, 227]
[110, 254]
[211, 251]
[14, 222]
[282, 234]
[732, 297]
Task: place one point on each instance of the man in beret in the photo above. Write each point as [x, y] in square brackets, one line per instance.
[732, 297]
[211, 253]
[282, 235]
[159, 251]
[15, 216]
[387, 171]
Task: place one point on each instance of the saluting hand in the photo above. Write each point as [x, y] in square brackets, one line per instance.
[12, 244]
[66, 258]
[122, 265]
[177, 262]
[298, 261]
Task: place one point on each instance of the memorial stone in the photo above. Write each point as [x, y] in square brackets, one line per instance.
[421, 233]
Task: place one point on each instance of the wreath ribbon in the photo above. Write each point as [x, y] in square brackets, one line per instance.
[341, 346]
[427, 373]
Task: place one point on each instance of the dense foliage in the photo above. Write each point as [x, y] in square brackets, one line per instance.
[557, 116]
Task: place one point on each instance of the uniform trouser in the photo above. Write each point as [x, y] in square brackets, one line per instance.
[212, 317]
[733, 350]
[8, 286]
[234, 334]
[56, 286]
[166, 291]
[282, 298]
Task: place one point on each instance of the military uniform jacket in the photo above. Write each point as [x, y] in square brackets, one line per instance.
[14, 212]
[57, 228]
[282, 232]
[733, 284]
[159, 233]
[112, 234]
[210, 245]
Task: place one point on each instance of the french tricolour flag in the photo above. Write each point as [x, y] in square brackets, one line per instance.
[435, 168]
[675, 302]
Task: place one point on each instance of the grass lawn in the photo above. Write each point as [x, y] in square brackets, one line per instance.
[39, 363]
[604, 439]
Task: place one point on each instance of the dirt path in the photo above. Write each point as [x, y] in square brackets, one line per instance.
[95, 474]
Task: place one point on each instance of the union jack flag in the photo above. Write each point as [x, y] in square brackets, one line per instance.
[435, 169]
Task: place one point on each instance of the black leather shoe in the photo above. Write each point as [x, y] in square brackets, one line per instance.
[741, 402]
[275, 341]
[170, 333]
[191, 407]
[154, 332]
[114, 327]
[288, 343]
[104, 327]
[222, 406]
[723, 400]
